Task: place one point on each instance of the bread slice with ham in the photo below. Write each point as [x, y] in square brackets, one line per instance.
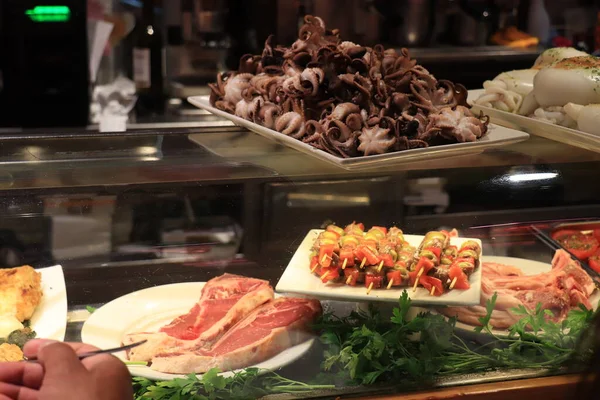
[268, 330]
[224, 301]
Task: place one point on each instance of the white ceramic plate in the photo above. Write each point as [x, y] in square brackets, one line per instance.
[536, 127]
[497, 136]
[528, 267]
[297, 278]
[149, 309]
[49, 320]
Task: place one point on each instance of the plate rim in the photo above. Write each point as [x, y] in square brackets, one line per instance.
[297, 351]
[324, 295]
[373, 161]
[58, 322]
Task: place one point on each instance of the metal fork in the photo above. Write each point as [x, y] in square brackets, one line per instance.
[105, 351]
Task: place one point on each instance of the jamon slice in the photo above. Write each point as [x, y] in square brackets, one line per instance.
[267, 331]
[224, 301]
[565, 286]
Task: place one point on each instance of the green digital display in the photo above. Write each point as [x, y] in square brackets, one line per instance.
[49, 13]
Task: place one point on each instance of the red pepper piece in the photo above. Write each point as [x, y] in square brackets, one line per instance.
[424, 264]
[396, 276]
[326, 255]
[347, 254]
[377, 281]
[388, 260]
[329, 274]
[462, 281]
[363, 252]
[429, 281]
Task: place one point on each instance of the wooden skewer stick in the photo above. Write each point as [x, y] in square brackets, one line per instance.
[432, 290]
[417, 280]
[380, 266]
[362, 264]
[370, 288]
[344, 263]
[453, 282]
[312, 271]
[324, 258]
[389, 286]
[324, 275]
[349, 280]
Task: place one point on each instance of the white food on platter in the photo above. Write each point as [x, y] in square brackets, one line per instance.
[517, 91]
[586, 117]
[556, 54]
[298, 279]
[149, 310]
[575, 80]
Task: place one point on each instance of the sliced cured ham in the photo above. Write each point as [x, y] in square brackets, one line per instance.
[267, 331]
[224, 301]
[565, 286]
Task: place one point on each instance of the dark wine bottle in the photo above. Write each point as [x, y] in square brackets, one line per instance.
[148, 63]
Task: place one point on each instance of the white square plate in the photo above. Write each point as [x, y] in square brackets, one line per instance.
[497, 136]
[558, 133]
[298, 279]
[49, 321]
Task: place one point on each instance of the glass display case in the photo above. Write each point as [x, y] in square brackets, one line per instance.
[134, 212]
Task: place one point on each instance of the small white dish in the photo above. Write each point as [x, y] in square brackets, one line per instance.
[49, 321]
[148, 310]
[298, 279]
[497, 136]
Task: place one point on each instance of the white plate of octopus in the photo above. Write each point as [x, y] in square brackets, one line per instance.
[496, 136]
[545, 129]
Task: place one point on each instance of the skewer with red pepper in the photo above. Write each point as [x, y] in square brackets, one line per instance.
[449, 254]
[354, 275]
[373, 278]
[463, 266]
[431, 249]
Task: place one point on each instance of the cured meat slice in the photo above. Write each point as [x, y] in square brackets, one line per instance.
[565, 286]
[224, 301]
[267, 331]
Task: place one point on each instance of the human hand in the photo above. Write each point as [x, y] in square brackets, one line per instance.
[60, 375]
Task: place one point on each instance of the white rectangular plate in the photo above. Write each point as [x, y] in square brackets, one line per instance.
[497, 136]
[297, 278]
[536, 127]
[49, 320]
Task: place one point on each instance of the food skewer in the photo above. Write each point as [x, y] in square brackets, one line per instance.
[381, 258]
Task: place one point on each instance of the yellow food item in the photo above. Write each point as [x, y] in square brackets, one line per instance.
[513, 37]
[20, 292]
[10, 352]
